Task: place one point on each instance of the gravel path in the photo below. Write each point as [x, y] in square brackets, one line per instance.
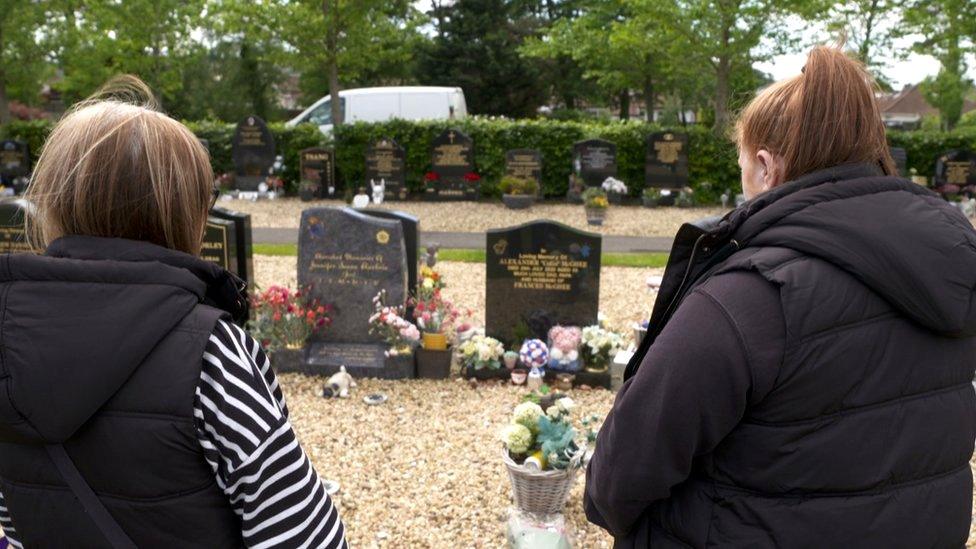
[480, 216]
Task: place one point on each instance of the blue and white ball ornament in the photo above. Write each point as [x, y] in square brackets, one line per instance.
[534, 353]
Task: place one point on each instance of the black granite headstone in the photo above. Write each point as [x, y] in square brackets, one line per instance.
[14, 164]
[525, 164]
[318, 173]
[243, 246]
[13, 237]
[253, 151]
[900, 156]
[220, 244]
[956, 167]
[386, 161]
[594, 160]
[540, 274]
[452, 163]
[666, 160]
[344, 259]
[411, 239]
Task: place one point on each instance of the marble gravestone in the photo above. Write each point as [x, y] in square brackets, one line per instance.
[13, 236]
[318, 173]
[666, 160]
[228, 243]
[957, 168]
[344, 259]
[386, 161]
[540, 274]
[900, 156]
[594, 160]
[253, 152]
[524, 164]
[14, 164]
[452, 163]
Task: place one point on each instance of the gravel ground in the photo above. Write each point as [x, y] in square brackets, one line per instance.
[480, 216]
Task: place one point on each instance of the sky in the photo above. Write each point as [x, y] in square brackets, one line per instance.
[900, 72]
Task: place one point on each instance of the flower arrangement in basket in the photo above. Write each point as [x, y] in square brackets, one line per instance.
[285, 319]
[599, 346]
[542, 454]
[595, 204]
[481, 352]
[388, 322]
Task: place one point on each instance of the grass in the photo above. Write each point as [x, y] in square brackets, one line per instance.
[641, 260]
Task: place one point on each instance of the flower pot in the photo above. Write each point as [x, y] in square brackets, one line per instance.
[518, 201]
[542, 492]
[615, 198]
[595, 216]
[649, 202]
[564, 382]
[519, 375]
[433, 364]
[511, 359]
[435, 342]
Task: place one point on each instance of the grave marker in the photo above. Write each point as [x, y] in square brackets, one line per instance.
[386, 161]
[956, 167]
[594, 160]
[524, 164]
[900, 156]
[666, 160]
[253, 152]
[452, 163]
[13, 237]
[318, 173]
[239, 247]
[14, 165]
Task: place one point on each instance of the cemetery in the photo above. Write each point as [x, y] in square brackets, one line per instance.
[450, 300]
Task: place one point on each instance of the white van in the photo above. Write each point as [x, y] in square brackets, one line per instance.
[381, 104]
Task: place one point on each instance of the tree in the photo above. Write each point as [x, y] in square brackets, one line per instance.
[477, 48]
[944, 26]
[869, 26]
[22, 58]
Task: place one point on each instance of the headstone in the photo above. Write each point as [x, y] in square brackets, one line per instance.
[386, 161]
[411, 239]
[220, 244]
[318, 173]
[452, 162]
[344, 259]
[666, 160]
[900, 156]
[541, 274]
[956, 168]
[253, 151]
[525, 164]
[594, 160]
[241, 249]
[14, 164]
[13, 237]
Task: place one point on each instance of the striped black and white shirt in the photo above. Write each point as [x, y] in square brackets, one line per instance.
[242, 425]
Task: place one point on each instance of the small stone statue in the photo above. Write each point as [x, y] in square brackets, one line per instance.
[379, 191]
[339, 384]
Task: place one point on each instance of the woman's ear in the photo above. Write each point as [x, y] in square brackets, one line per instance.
[770, 169]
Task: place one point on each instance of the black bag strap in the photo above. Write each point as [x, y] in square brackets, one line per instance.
[93, 506]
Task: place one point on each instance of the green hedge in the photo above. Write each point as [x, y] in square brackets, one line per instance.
[712, 160]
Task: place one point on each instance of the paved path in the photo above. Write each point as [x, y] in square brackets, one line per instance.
[611, 243]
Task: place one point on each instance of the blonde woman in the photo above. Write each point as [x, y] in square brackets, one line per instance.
[807, 378]
[133, 412]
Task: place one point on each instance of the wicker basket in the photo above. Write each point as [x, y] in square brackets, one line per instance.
[542, 492]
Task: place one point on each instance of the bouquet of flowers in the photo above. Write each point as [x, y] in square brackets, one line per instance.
[388, 322]
[613, 185]
[599, 346]
[481, 351]
[595, 198]
[543, 437]
[285, 319]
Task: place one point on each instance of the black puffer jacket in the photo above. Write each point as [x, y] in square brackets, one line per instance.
[807, 382]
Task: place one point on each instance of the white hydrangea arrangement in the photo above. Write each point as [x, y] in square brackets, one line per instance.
[481, 351]
[614, 185]
[543, 437]
[599, 346]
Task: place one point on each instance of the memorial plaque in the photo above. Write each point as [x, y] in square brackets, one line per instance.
[666, 160]
[344, 259]
[386, 161]
[243, 247]
[525, 164]
[13, 236]
[900, 156]
[452, 162]
[411, 239]
[541, 274]
[220, 243]
[318, 171]
[595, 160]
[253, 152]
[956, 168]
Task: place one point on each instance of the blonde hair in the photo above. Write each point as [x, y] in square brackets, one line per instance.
[826, 116]
[115, 167]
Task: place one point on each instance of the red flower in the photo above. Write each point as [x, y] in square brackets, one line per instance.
[431, 176]
[471, 176]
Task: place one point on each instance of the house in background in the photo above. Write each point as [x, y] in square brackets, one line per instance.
[906, 109]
